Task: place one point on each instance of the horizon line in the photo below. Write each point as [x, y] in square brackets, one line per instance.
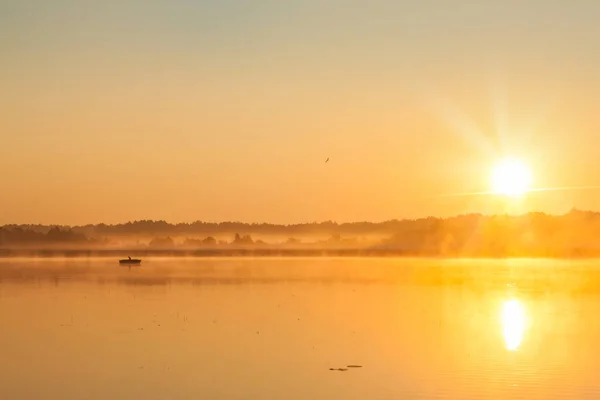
[315, 222]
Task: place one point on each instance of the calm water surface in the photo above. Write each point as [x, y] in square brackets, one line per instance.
[273, 328]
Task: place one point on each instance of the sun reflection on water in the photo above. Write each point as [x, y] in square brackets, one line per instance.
[513, 323]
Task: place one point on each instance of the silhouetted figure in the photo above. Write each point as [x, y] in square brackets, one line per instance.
[130, 261]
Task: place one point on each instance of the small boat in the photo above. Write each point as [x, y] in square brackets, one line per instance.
[130, 261]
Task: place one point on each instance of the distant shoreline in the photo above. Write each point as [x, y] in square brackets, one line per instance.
[535, 235]
[267, 253]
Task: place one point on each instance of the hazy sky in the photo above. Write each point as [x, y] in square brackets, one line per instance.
[226, 110]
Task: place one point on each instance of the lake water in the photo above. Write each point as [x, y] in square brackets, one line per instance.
[272, 329]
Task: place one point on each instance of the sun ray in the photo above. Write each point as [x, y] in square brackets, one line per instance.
[461, 123]
[531, 190]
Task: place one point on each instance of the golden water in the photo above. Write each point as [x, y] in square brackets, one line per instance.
[273, 328]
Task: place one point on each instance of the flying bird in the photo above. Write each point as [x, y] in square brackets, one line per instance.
[326, 161]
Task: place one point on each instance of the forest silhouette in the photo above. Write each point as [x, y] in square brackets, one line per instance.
[573, 234]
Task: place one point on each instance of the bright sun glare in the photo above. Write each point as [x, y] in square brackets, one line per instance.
[513, 323]
[511, 178]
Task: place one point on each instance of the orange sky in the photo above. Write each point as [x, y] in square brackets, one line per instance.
[228, 111]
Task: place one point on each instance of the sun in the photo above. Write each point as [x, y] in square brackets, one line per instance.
[511, 177]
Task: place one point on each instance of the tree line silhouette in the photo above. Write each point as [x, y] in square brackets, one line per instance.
[12, 234]
[575, 233]
[150, 227]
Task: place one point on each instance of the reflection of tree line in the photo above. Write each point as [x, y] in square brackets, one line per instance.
[532, 280]
[534, 234]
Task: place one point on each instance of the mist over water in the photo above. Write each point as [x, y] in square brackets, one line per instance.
[186, 328]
